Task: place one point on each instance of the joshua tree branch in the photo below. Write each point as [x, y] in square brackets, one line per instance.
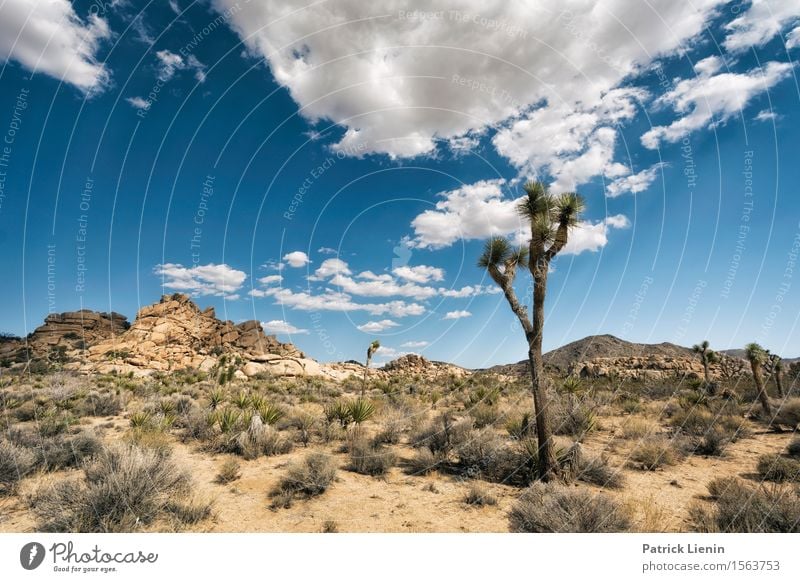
[559, 243]
[506, 284]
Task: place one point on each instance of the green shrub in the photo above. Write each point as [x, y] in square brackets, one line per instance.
[793, 448]
[550, 508]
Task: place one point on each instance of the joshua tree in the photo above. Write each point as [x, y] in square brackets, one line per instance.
[707, 357]
[775, 367]
[373, 347]
[550, 218]
[757, 357]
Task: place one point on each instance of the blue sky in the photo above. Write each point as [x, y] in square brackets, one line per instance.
[332, 169]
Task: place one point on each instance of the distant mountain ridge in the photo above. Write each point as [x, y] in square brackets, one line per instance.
[608, 346]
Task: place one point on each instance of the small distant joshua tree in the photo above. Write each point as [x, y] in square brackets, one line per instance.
[373, 347]
[774, 368]
[707, 357]
[757, 356]
[551, 218]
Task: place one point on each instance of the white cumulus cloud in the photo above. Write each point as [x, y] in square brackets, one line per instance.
[296, 259]
[400, 83]
[760, 23]
[708, 100]
[419, 274]
[634, 183]
[219, 280]
[457, 314]
[414, 344]
[48, 36]
[279, 326]
[378, 326]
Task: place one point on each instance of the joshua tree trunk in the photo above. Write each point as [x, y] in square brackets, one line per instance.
[706, 373]
[779, 381]
[546, 461]
[762, 392]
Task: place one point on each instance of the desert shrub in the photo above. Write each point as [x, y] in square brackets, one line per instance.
[637, 428]
[628, 403]
[483, 414]
[442, 434]
[550, 508]
[53, 422]
[653, 453]
[123, 489]
[597, 471]
[330, 526]
[308, 478]
[304, 423]
[369, 458]
[99, 404]
[15, 463]
[478, 496]
[743, 508]
[573, 417]
[480, 453]
[793, 448]
[788, 414]
[391, 430]
[521, 427]
[259, 439]
[199, 425]
[229, 472]
[778, 469]
[423, 462]
[188, 512]
[57, 452]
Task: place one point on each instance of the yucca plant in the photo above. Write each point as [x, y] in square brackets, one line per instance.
[242, 400]
[140, 419]
[361, 410]
[166, 407]
[339, 411]
[215, 398]
[257, 401]
[270, 413]
[228, 420]
[572, 385]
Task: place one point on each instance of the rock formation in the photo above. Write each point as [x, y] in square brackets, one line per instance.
[64, 333]
[175, 334]
[642, 368]
[414, 364]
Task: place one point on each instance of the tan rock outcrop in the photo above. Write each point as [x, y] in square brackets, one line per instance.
[642, 368]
